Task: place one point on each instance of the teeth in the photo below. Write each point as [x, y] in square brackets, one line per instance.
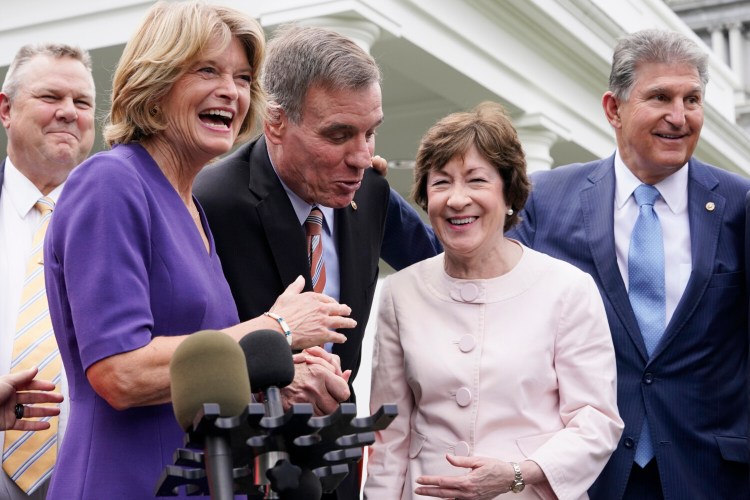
[460, 222]
[220, 112]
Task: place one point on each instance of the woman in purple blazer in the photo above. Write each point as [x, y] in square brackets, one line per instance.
[499, 357]
[130, 261]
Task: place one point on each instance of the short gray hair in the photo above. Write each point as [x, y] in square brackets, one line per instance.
[653, 46]
[300, 57]
[26, 53]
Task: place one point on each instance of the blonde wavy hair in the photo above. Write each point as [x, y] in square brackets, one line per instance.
[170, 38]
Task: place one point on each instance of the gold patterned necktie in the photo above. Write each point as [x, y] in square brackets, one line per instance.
[314, 229]
[28, 457]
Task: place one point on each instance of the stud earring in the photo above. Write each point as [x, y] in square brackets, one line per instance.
[510, 212]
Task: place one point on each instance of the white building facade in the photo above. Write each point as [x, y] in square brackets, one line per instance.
[547, 61]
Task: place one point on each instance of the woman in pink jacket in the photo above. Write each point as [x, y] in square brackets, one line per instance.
[499, 357]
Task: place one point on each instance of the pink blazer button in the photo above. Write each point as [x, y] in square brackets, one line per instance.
[469, 292]
[463, 396]
[467, 343]
[461, 449]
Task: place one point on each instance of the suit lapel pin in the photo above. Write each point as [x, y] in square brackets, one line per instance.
[354, 205]
[710, 206]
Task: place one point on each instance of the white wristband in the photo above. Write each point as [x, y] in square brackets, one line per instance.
[282, 323]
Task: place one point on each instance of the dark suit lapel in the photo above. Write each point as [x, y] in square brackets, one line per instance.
[597, 202]
[350, 276]
[284, 234]
[705, 226]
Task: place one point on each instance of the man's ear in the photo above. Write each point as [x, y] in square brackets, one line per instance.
[275, 126]
[611, 106]
[5, 109]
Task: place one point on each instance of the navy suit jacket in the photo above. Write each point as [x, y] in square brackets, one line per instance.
[694, 388]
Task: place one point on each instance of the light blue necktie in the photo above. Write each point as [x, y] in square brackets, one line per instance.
[646, 288]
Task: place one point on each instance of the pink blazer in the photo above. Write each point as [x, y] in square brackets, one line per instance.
[515, 367]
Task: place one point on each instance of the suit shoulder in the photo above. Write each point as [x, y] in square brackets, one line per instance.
[226, 172]
[374, 181]
[553, 266]
[374, 188]
[728, 179]
[573, 173]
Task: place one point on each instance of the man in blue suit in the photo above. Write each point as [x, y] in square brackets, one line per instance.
[682, 387]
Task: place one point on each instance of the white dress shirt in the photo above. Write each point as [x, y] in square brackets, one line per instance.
[18, 222]
[672, 209]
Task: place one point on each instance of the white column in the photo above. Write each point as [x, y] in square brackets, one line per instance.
[718, 43]
[364, 33]
[538, 133]
[737, 51]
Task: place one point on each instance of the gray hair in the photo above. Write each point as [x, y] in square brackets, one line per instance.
[653, 46]
[300, 57]
[26, 53]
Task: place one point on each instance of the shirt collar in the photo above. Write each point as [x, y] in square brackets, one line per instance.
[23, 194]
[301, 207]
[673, 189]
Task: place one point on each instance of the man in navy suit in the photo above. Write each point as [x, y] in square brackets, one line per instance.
[685, 399]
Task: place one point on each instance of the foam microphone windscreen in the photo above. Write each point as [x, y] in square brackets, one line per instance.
[208, 367]
[269, 359]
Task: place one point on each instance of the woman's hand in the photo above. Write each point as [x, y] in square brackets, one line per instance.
[312, 317]
[38, 391]
[487, 479]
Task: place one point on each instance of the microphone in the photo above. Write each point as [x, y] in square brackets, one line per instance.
[209, 367]
[270, 366]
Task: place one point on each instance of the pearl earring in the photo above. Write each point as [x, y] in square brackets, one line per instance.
[510, 211]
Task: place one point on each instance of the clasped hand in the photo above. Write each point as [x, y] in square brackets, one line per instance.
[318, 380]
[487, 479]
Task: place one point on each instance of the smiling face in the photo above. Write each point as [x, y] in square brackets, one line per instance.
[658, 127]
[50, 121]
[323, 158]
[206, 106]
[466, 206]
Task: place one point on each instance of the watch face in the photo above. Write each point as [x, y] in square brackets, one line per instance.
[517, 487]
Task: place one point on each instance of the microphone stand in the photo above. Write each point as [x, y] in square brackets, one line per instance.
[264, 462]
[293, 454]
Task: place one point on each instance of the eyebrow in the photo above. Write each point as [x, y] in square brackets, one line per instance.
[665, 90]
[214, 62]
[345, 127]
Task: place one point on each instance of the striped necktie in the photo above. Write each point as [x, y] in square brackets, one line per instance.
[314, 229]
[28, 457]
[646, 288]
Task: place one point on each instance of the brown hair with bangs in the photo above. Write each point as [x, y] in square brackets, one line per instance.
[488, 128]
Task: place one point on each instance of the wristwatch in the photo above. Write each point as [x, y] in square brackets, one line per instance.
[518, 484]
